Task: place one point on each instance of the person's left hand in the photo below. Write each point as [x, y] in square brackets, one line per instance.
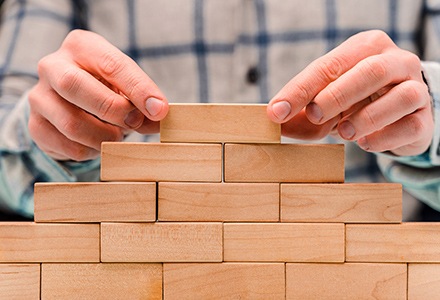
[366, 90]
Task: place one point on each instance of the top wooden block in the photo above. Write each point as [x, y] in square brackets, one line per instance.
[207, 123]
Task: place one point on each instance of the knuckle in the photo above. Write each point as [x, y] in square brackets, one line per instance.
[370, 119]
[375, 69]
[331, 67]
[416, 125]
[377, 36]
[109, 64]
[412, 60]
[70, 126]
[69, 80]
[135, 89]
[78, 152]
[107, 108]
[75, 37]
[338, 96]
[412, 95]
[44, 65]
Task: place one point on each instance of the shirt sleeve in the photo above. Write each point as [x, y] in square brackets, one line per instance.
[420, 175]
[30, 30]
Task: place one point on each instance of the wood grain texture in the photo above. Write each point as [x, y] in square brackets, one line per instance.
[236, 123]
[101, 281]
[283, 242]
[161, 162]
[223, 281]
[355, 203]
[161, 242]
[284, 163]
[36, 242]
[406, 242]
[95, 202]
[19, 281]
[346, 281]
[218, 202]
[423, 281]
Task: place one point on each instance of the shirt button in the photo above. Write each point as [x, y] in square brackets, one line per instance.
[252, 75]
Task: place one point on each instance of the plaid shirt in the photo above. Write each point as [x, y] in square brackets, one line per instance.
[206, 51]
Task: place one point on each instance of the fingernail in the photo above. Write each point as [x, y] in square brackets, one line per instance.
[362, 142]
[134, 118]
[153, 106]
[281, 109]
[314, 113]
[346, 130]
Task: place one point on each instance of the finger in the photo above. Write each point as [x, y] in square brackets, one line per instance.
[85, 91]
[409, 136]
[363, 80]
[74, 123]
[404, 99]
[315, 77]
[299, 127]
[149, 127]
[108, 62]
[56, 145]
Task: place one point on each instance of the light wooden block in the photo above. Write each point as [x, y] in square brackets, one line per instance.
[224, 281]
[346, 281]
[284, 163]
[161, 242]
[19, 281]
[406, 242]
[218, 201]
[423, 281]
[283, 242]
[236, 123]
[95, 202]
[161, 162]
[355, 203]
[101, 281]
[36, 242]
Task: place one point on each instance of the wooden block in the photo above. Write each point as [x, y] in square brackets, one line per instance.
[161, 162]
[224, 281]
[284, 163]
[161, 242]
[235, 123]
[218, 201]
[345, 281]
[406, 242]
[95, 202]
[372, 203]
[283, 242]
[101, 281]
[20, 281]
[32, 242]
[423, 281]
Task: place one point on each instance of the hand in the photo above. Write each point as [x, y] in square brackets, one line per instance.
[89, 92]
[366, 90]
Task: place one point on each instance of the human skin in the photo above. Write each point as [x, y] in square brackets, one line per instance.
[366, 90]
[89, 92]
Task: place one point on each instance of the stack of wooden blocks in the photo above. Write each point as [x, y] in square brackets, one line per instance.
[220, 209]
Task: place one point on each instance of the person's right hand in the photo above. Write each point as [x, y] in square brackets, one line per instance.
[89, 92]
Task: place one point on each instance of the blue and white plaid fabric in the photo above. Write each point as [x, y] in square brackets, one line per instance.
[202, 51]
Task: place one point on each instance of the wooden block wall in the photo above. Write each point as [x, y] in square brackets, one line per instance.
[95, 202]
[186, 234]
[284, 163]
[101, 281]
[19, 281]
[348, 203]
[246, 202]
[232, 123]
[161, 162]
